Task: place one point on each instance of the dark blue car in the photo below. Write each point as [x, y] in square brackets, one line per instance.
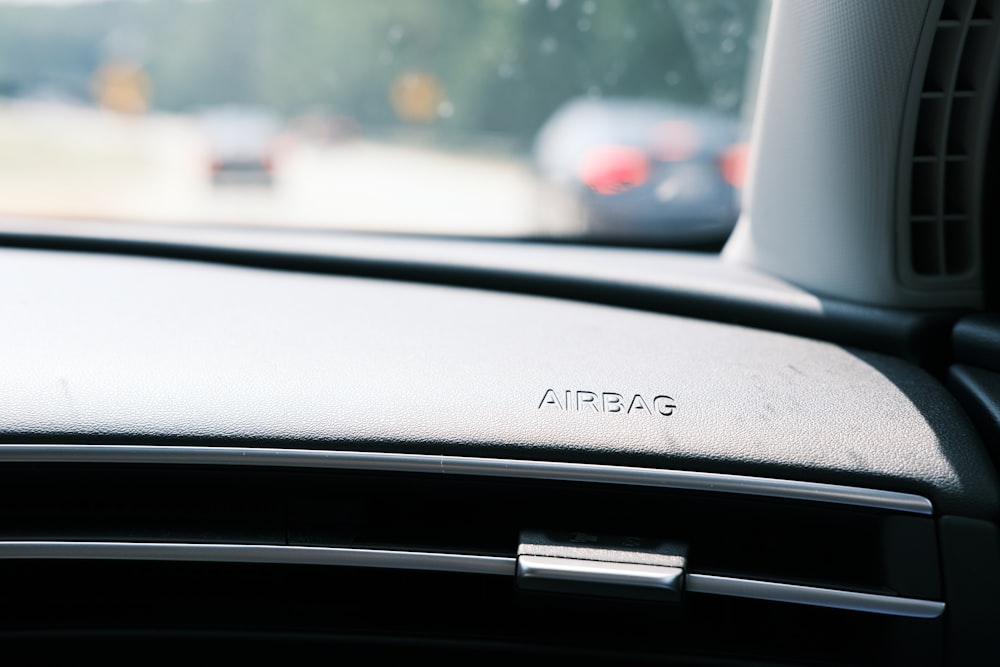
[646, 170]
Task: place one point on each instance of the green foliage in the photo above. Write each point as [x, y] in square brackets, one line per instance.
[504, 65]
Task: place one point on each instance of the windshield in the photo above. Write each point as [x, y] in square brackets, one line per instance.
[579, 119]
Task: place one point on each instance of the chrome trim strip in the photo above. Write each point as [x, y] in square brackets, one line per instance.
[817, 597]
[462, 563]
[471, 466]
[574, 575]
[259, 553]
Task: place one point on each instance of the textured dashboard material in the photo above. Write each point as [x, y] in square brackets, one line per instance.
[680, 283]
[105, 349]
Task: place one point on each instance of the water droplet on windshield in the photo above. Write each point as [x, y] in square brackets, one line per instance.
[396, 33]
[589, 7]
[505, 70]
[553, 4]
[672, 78]
[445, 109]
[733, 28]
[583, 25]
[724, 97]
[548, 45]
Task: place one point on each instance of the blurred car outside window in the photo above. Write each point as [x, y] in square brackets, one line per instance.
[596, 120]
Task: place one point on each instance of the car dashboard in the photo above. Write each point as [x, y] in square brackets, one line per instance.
[449, 449]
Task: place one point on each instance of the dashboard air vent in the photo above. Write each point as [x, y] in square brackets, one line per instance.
[537, 558]
[952, 108]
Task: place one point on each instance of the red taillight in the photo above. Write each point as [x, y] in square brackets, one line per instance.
[733, 164]
[609, 170]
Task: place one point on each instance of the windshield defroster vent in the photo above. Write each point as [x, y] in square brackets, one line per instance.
[949, 116]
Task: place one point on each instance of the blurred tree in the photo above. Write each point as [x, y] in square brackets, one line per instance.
[503, 66]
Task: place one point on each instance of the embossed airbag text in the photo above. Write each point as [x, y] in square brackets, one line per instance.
[607, 402]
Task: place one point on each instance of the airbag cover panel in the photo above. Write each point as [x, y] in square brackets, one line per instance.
[102, 349]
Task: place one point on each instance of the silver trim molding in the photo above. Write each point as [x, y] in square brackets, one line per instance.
[259, 553]
[472, 466]
[816, 597]
[574, 575]
[631, 575]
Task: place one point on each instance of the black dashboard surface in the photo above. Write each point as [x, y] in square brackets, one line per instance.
[111, 349]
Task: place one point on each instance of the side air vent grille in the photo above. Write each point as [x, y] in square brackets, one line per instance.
[951, 127]
[473, 553]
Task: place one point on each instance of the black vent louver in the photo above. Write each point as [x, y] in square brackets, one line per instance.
[952, 124]
[446, 555]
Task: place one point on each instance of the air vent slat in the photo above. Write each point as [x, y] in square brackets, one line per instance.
[890, 605]
[931, 119]
[767, 590]
[346, 539]
[947, 218]
[924, 194]
[960, 253]
[941, 213]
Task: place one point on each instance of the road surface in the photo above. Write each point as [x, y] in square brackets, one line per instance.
[76, 162]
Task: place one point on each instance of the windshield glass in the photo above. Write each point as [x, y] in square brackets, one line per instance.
[597, 119]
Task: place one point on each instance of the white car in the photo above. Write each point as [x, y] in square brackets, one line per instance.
[242, 144]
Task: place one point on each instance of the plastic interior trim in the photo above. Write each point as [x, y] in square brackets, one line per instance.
[472, 466]
[446, 562]
[817, 597]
